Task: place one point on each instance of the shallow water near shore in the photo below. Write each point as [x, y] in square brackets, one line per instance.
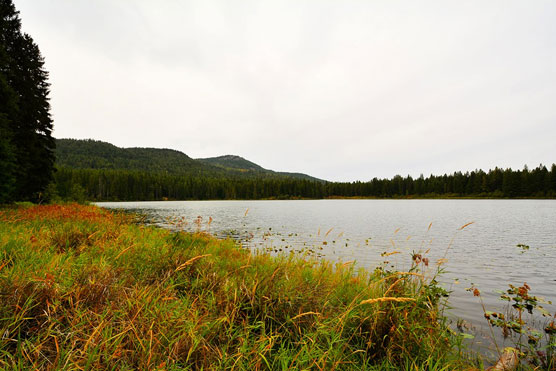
[369, 232]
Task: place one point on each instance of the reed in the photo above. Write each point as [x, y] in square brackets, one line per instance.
[84, 288]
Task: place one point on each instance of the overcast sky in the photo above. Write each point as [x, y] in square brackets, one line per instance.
[341, 90]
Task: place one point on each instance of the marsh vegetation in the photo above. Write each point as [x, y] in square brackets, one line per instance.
[82, 287]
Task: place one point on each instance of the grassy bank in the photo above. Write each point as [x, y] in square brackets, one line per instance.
[83, 288]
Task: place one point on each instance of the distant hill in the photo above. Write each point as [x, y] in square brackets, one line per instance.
[232, 162]
[99, 171]
[94, 154]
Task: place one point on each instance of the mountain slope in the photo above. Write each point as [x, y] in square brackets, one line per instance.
[232, 162]
[239, 163]
[94, 154]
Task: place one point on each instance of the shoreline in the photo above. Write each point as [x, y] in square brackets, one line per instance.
[84, 276]
[336, 198]
[85, 284]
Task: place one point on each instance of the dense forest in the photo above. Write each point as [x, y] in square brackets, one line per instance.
[94, 170]
[94, 154]
[26, 143]
[127, 185]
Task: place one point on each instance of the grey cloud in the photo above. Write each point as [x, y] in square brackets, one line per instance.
[341, 90]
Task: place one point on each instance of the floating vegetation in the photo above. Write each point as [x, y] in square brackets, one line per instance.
[534, 343]
[523, 247]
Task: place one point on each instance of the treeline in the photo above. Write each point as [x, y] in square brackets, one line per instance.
[125, 185]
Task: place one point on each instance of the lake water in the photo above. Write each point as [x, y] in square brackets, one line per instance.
[485, 253]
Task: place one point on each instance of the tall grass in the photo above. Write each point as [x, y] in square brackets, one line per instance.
[83, 288]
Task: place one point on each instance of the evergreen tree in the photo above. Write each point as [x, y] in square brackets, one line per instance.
[8, 110]
[552, 180]
[27, 146]
[7, 162]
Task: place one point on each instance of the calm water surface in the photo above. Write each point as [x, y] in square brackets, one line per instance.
[484, 253]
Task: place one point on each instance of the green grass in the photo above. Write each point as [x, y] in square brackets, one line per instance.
[83, 288]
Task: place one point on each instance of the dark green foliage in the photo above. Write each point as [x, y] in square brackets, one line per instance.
[127, 185]
[26, 144]
[97, 170]
[7, 163]
[94, 154]
[232, 162]
[497, 183]
[7, 154]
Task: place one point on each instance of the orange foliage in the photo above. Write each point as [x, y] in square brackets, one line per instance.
[57, 212]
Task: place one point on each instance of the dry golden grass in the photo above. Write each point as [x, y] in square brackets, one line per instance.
[82, 288]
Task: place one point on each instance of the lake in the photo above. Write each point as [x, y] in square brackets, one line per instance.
[485, 253]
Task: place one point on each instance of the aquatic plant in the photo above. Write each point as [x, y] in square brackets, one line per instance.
[534, 342]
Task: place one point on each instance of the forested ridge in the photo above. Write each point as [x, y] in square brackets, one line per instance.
[99, 171]
[232, 162]
[94, 154]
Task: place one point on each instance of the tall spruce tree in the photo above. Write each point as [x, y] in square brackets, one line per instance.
[7, 153]
[26, 145]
